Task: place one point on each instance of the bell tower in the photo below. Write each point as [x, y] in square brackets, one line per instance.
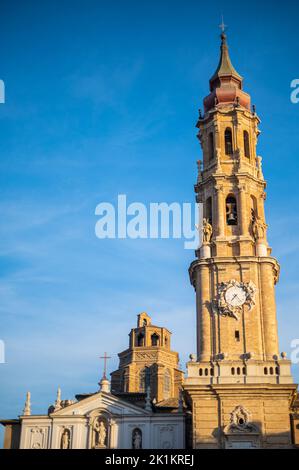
[238, 365]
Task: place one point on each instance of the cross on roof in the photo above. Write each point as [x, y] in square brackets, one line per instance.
[222, 26]
[105, 358]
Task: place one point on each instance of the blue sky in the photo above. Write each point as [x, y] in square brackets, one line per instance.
[102, 99]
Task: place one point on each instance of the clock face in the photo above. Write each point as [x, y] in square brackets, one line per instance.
[235, 296]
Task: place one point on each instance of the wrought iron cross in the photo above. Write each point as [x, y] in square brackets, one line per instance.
[105, 358]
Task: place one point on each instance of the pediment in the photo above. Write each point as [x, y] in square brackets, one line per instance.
[101, 400]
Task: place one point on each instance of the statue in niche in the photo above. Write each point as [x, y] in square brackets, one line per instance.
[100, 433]
[65, 439]
[207, 231]
[137, 439]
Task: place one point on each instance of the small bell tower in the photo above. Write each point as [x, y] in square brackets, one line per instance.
[149, 362]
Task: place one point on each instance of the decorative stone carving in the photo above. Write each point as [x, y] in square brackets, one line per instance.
[240, 422]
[167, 437]
[276, 270]
[233, 295]
[38, 438]
[207, 231]
[145, 355]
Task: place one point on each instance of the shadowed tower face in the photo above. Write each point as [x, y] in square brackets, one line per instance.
[234, 275]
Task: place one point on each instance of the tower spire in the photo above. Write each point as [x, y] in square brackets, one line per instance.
[225, 70]
[226, 84]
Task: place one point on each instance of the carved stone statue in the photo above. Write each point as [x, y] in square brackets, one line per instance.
[199, 172]
[259, 168]
[207, 231]
[258, 227]
[100, 433]
[65, 439]
[137, 439]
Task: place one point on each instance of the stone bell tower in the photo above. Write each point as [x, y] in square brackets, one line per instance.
[238, 385]
[149, 362]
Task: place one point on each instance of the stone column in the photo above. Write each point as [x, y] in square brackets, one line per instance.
[260, 204]
[203, 314]
[242, 211]
[113, 434]
[219, 213]
[267, 294]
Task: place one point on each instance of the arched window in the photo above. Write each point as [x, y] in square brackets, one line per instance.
[209, 214]
[233, 371]
[231, 211]
[155, 339]
[200, 372]
[167, 384]
[144, 379]
[246, 144]
[140, 339]
[211, 146]
[228, 138]
[265, 371]
[136, 438]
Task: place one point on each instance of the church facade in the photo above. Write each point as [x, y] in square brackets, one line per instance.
[238, 391]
